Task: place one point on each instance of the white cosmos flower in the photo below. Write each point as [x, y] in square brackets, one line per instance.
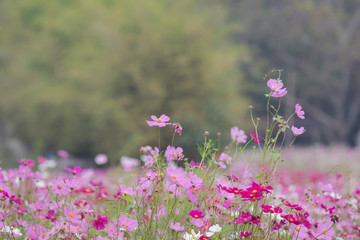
[192, 235]
[12, 230]
[213, 229]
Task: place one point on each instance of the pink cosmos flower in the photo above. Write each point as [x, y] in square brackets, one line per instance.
[160, 122]
[128, 163]
[113, 231]
[73, 183]
[220, 164]
[63, 154]
[196, 182]
[238, 135]
[196, 214]
[276, 88]
[100, 222]
[255, 137]
[299, 112]
[225, 158]
[41, 160]
[20, 210]
[126, 190]
[127, 223]
[59, 186]
[178, 128]
[274, 85]
[145, 150]
[152, 159]
[197, 222]
[172, 153]
[76, 169]
[280, 93]
[72, 214]
[175, 174]
[101, 159]
[297, 131]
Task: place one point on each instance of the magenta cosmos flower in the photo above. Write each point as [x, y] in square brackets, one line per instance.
[255, 137]
[100, 222]
[160, 122]
[299, 112]
[196, 214]
[76, 169]
[245, 234]
[26, 162]
[297, 131]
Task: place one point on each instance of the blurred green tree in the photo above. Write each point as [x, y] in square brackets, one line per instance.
[84, 75]
[317, 43]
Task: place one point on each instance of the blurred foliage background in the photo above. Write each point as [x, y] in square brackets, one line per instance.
[84, 75]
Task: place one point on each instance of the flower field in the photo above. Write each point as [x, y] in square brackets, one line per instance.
[254, 188]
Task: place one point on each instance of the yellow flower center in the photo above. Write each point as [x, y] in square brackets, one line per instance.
[125, 225]
[254, 191]
[59, 186]
[324, 231]
[173, 176]
[71, 215]
[158, 120]
[297, 228]
[195, 216]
